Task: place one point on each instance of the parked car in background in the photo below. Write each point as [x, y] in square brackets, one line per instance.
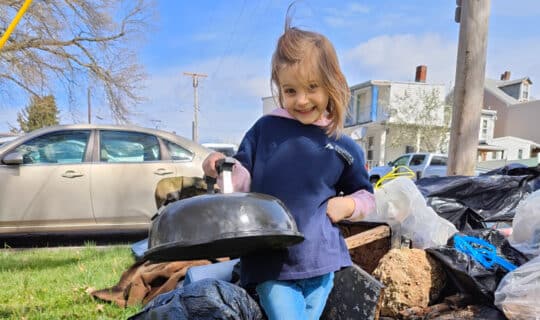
[228, 149]
[422, 164]
[89, 177]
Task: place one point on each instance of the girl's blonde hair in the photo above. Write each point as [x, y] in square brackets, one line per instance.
[315, 57]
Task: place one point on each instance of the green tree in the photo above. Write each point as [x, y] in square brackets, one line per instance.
[42, 112]
[422, 121]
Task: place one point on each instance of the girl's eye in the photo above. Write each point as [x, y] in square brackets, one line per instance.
[313, 86]
[289, 91]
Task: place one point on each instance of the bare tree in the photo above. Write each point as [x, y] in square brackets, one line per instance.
[63, 46]
[423, 121]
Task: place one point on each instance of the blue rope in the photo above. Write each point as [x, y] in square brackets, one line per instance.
[481, 251]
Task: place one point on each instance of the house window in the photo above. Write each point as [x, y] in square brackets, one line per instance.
[370, 143]
[484, 129]
[362, 107]
[351, 115]
[520, 154]
[409, 149]
[525, 92]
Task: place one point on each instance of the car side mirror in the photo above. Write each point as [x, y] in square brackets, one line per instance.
[13, 158]
[390, 163]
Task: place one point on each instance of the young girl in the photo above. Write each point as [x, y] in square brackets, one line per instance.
[298, 154]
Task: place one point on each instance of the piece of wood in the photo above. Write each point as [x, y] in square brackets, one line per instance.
[367, 236]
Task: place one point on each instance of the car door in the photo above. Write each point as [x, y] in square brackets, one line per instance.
[437, 167]
[125, 177]
[50, 190]
[417, 164]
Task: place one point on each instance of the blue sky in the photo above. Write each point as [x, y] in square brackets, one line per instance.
[232, 42]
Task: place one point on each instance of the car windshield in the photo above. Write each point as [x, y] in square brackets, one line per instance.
[401, 161]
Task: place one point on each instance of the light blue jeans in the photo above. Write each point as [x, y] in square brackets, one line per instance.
[295, 299]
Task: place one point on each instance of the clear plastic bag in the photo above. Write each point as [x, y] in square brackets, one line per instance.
[525, 235]
[400, 200]
[518, 292]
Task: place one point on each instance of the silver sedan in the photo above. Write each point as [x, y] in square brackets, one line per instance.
[89, 177]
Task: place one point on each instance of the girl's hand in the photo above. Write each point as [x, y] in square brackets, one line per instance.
[340, 208]
[209, 164]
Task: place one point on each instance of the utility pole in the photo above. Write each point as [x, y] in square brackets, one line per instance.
[473, 17]
[195, 77]
[89, 106]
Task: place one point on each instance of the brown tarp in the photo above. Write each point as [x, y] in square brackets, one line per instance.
[145, 280]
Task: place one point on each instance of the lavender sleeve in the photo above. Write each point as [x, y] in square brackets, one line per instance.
[364, 205]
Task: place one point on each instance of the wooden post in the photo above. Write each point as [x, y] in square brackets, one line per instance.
[469, 88]
[367, 236]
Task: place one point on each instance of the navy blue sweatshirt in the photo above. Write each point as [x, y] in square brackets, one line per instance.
[303, 167]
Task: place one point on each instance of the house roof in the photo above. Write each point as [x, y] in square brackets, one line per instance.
[532, 143]
[388, 82]
[493, 87]
[504, 83]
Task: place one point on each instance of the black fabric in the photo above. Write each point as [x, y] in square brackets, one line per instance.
[468, 202]
[469, 276]
[204, 299]
[517, 169]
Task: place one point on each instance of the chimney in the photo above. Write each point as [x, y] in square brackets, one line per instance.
[505, 75]
[421, 73]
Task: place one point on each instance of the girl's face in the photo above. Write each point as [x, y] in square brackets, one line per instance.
[305, 102]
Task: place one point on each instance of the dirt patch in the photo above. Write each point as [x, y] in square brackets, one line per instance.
[411, 278]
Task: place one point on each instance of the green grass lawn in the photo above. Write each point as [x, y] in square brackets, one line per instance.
[53, 283]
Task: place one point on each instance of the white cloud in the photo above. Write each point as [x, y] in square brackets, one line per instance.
[395, 57]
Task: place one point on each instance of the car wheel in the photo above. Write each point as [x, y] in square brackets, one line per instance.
[373, 180]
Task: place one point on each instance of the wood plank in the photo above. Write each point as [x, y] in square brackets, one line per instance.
[367, 236]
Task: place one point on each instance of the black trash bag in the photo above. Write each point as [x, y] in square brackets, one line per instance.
[518, 169]
[490, 197]
[467, 275]
[203, 299]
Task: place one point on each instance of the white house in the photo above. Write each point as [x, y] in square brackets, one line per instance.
[517, 113]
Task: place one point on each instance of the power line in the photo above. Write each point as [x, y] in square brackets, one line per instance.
[227, 48]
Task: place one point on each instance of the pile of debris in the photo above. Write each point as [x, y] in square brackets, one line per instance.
[440, 248]
[487, 264]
